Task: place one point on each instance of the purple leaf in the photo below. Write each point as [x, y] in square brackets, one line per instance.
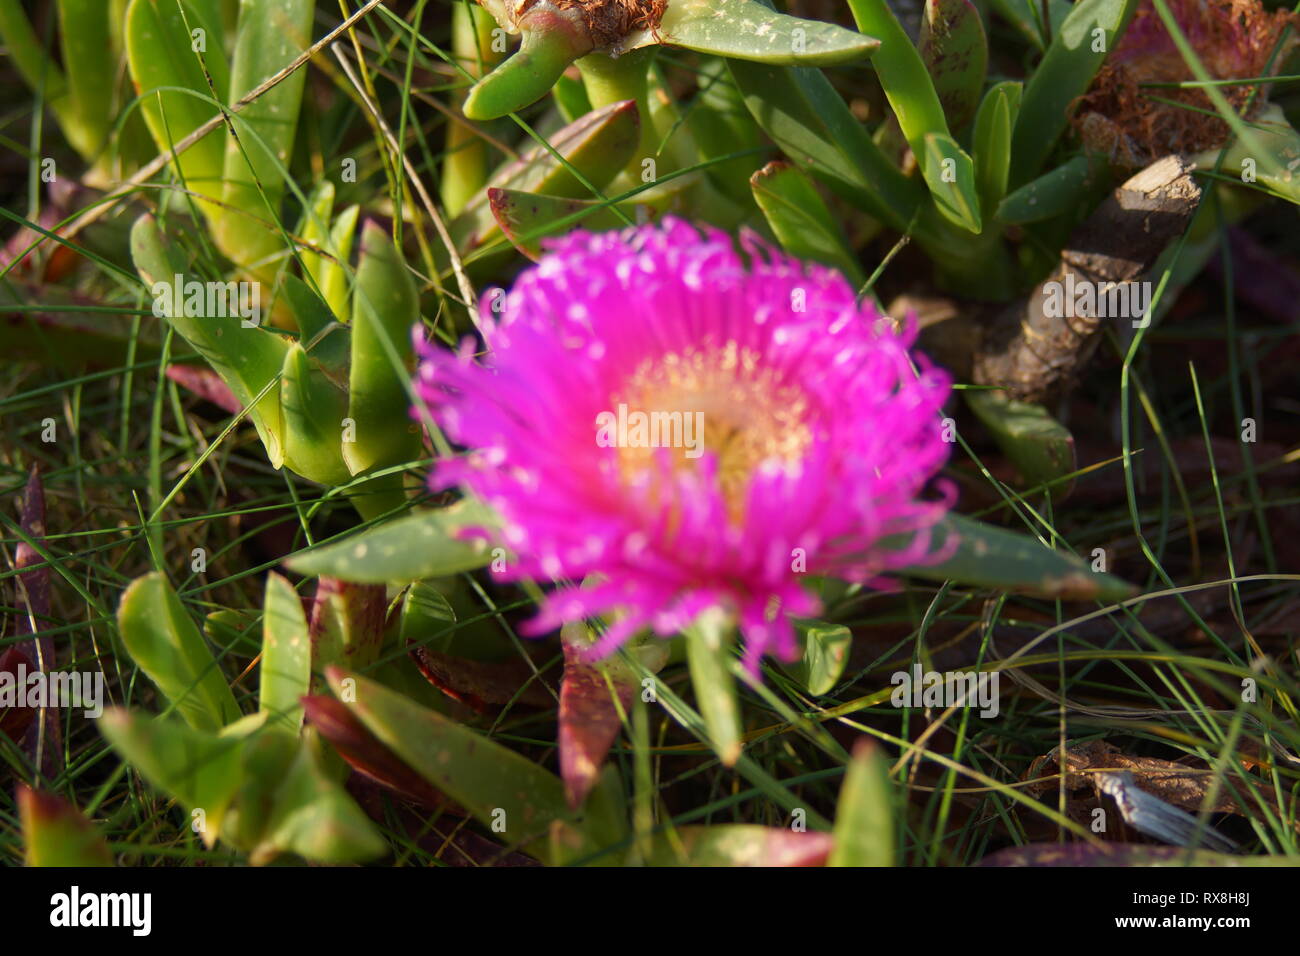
[365, 753]
[44, 738]
[206, 384]
[589, 721]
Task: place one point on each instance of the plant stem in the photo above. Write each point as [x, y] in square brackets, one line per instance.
[612, 80]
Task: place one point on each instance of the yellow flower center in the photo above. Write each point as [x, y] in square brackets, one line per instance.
[718, 400]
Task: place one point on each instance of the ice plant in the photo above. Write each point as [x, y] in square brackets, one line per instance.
[820, 432]
[1135, 123]
[556, 33]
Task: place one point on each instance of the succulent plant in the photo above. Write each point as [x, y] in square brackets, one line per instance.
[467, 258]
[555, 33]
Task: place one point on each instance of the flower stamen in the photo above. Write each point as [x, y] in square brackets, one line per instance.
[749, 415]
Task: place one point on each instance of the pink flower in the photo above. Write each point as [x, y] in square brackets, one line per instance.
[804, 437]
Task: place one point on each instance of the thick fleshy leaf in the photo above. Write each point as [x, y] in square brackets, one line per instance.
[286, 654]
[956, 54]
[746, 30]
[56, 834]
[947, 169]
[1272, 156]
[1040, 447]
[1027, 19]
[484, 686]
[259, 787]
[313, 410]
[604, 826]
[335, 281]
[526, 218]
[165, 643]
[526, 77]
[200, 769]
[589, 722]
[1062, 190]
[299, 808]
[864, 818]
[265, 755]
[161, 37]
[33, 62]
[589, 719]
[314, 229]
[88, 60]
[270, 34]
[1066, 71]
[501, 788]
[809, 120]
[420, 545]
[825, 652]
[740, 844]
[950, 174]
[709, 654]
[597, 146]
[987, 556]
[347, 623]
[992, 145]
[326, 341]
[385, 309]
[720, 125]
[427, 616]
[228, 627]
[247, 359]
[365, 754]
[571, 99]
[799, 218]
